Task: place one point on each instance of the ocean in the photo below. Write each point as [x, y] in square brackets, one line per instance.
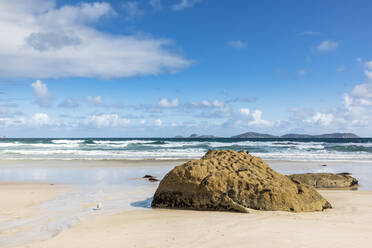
[175, 148]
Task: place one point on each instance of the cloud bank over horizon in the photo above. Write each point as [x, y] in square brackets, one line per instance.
[165, 68]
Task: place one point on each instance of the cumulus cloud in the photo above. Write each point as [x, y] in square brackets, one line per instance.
[211, 109]
[238, 44]
[105, 120]
[258, 121]
[244, 111]
[41, 119]
[164, 102]
[322, 119]
[45, 41]
[363, 91]
[327, 45]
[43, 96]
[183, 4]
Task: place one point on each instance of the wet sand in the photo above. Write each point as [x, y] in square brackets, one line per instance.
[348, 224]
[19, 199]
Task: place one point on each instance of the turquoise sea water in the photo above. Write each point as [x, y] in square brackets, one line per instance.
[172, 148]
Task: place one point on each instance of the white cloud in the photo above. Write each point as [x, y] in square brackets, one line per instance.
[258, 121]
[132, 10]
[363, 90]
[43, 96]
[218, 104]
[40, 40]
[95, 100]
[142, 122]
[206, 104]
[368, 71]
[41, 119]
[158, 122]
[183, 4]
[69, 103]
[322, 119]
[327, 45]
[359, 60]
[105, 120]
[168, 103]
[347, 101]
[238, 44]
[244, 111]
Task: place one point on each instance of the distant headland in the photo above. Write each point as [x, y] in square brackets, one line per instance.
[254, 135]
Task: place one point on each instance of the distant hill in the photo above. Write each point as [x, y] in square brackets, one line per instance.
[322, 136]
[337, 135]
[253, 135]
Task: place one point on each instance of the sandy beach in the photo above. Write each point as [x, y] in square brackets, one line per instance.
[38, 213]
[348, 224]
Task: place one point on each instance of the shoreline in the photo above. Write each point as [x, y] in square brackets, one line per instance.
[105, 163]
[80, 163]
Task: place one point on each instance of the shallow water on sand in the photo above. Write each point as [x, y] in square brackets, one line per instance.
[119, 186]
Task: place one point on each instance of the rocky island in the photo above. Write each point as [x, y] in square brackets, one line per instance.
[254, 135]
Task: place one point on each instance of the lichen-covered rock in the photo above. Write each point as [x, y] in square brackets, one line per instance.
[234, 181]
[327, 180]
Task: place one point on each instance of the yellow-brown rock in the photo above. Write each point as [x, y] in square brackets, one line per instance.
[234, 181]
[327, 180]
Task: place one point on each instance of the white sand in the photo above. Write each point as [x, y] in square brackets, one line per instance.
[348, 224]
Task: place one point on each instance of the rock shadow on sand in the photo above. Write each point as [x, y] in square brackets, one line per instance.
[143, 204]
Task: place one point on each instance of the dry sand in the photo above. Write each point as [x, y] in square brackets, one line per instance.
[348, 224]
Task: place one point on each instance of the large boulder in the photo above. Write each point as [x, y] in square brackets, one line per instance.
[327, 180]
[234, 181]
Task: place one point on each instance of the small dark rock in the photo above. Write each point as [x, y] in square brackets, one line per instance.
[344, 174]
[324, 165]
[148, 176]
[152, 179]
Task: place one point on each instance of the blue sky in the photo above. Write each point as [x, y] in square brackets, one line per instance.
[175, 67]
